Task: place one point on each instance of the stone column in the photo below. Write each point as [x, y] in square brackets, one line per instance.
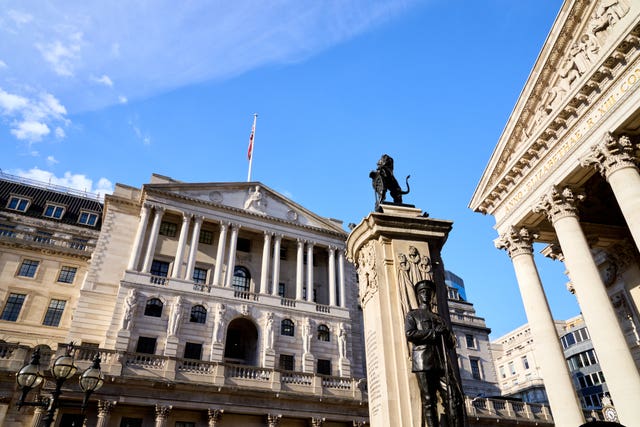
[343, 298]
[222, 239]
[153, 239]
[104, 412]
[608, 340]
[276, 264]
[182, 241]
[162, 413]
[273, 420]
[214, 416]
[310, 271]
[332, 275]
[299, 269]
[38, 415]
[317, 422]
[264, 273]
[193, 249]
[137, 242]
[557, 379]
[231, 264]
[615, 160]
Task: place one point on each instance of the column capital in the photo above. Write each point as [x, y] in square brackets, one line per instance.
[273, 420]
[516, 241]
[317, 422]
[186, 216]
[162, 412]
[611, 154]
[278, 236]
[559, 203]
[332, 248]
[224, 225]
[105, 406]
[214, 415]
[553, 251]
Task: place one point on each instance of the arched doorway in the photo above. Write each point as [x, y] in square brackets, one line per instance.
[241, 344]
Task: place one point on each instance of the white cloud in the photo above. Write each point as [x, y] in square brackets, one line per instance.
[10, 102]
[60, 133]
[75, 181]
[20, 18]
[104, 79]
[3, 64]
[52, 160]
[122, 99]
[62, 56]
[30, 130]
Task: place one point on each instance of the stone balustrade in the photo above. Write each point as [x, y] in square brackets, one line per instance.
[71, 245]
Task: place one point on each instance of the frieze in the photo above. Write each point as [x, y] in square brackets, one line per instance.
[367, 275]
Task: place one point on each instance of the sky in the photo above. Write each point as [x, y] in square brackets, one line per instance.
[97, 93]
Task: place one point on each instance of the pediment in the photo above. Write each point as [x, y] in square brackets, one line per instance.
[566, 73]
[252, 198]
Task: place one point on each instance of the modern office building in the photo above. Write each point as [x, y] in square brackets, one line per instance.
[564, 173]
[218, 304]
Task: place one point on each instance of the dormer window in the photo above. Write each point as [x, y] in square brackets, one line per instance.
[53, 211]
[18, 203]
[88, 218]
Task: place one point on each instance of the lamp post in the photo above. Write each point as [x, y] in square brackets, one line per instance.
[29, 377]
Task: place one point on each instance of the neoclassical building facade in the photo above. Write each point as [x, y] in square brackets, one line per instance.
[217, 305]
[565, 173]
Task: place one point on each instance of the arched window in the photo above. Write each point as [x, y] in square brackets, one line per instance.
[198, 314]
[242, 342]
[241, 279]
[287, 328]
[323, 333]
[153, 308]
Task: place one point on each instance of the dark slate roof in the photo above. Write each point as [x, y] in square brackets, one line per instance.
[72, 200]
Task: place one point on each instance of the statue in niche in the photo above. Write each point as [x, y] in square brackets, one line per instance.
[405, 285]
[255, 201]
[426, 270]
[414, 260]
[432, 340]
[342, 341]
[219, 323]
[175, 317]
[383, 180]
[307, 334]
[130, 305]
[269, 333]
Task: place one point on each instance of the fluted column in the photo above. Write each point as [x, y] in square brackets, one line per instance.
[332, 275]
[614, 157]
[162, 413]
[222, 240]
[214, 416]
[193, 249]
[609, 342]
[310, 271]
[153, 239]
[277, 241]
[231, 264]
[137, 241]
[557, 379]
[343, 300]
[299, 269]
[38, 415]
[264, 273]
[182, 241]
[104, 412]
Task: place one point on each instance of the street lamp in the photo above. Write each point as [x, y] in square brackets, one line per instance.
[63, 369]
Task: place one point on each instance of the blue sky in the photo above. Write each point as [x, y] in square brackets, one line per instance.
[93, 93]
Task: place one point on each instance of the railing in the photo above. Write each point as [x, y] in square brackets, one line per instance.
[287, 302]
[507, 409]
[158, 280]
[196, 367]
[299, 378]
[14, 235]
[148, 361]
[323, 308]
[247, 372]
[201, 287]
[245, 295]
[48, 186]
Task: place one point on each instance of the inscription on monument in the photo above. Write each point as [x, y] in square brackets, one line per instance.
[373, 381]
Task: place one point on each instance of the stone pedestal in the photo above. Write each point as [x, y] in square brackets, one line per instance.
[171, 347]
[375, 246]
[122, 340]
[308, 363]
[269, 359]
[345, 367]
[217, 352]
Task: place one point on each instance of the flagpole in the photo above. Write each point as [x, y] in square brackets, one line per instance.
[251, 140]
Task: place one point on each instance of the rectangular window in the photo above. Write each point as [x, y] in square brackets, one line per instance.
[206, 237]
[581, 335]
[282, 290]
[130, 422]
[67, 274]
[18, 203]
[7, 230]
[286, 362]
[28, 268]
[525, 362]
[43, 237]
[168, 229]
[243, 245]
[193, 351]
[283, 253]
[54, 312]
[199, 275]
[324, 367]
[88, 218]
[567, 341]
[12, 307]
[503, 374]
[476, 369]
[146, 345]
[471, 341]
[53, 211]
[159, 268]
[512, 368]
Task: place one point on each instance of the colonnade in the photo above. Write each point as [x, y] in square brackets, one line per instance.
[614, 159]
[270, 265]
